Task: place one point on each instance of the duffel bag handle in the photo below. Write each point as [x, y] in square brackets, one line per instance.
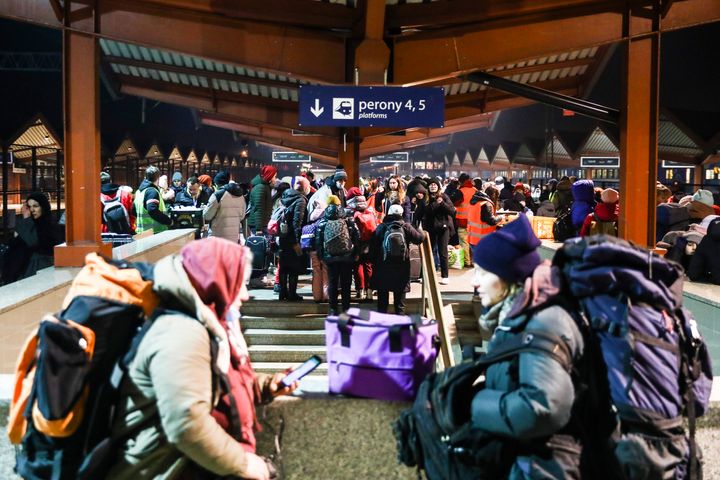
[345, 321]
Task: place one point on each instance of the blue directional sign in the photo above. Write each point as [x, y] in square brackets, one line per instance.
[397, 157]
[292, 157]
[608, 162]
[403, 107]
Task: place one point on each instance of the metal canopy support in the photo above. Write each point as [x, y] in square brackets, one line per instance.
[577, 105]
[82, 150]
[639, 129]
[349, 157]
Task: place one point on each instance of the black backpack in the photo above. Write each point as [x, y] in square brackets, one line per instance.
[563, 228]
[395, 247]
[115, 215]
[436, 433]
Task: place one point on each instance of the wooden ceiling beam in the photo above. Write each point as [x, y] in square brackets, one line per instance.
[369, 152]
[285, 50]
[129, 84]
[257, 121]
[429, 57]
[495, 103]
[372, 55]
[435, 15]
[298, 13]
[480, 96]
[162, 67]
[264, 132]
[421, 134]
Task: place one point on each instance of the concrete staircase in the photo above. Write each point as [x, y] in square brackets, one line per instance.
[283, 334]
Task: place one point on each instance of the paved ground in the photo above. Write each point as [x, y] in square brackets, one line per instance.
[708, 438]
[708, 433]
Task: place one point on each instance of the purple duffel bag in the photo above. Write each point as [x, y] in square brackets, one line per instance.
[378, 355]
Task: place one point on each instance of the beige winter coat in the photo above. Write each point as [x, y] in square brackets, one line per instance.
[171, 379]
[226, 216]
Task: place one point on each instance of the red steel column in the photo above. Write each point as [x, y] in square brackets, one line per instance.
[82, 150]
[639, 130]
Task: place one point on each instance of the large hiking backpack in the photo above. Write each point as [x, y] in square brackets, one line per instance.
[367, 223]
[69, 370]
[645, 368]
[563, 228]
[395, 247]
[336, 238]
[115, 215]
[600, 227]
[657, 365]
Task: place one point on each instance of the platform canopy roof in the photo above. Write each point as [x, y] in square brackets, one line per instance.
[239, 63]
[36, 133]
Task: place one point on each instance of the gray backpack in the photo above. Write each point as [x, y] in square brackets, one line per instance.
[394, 245]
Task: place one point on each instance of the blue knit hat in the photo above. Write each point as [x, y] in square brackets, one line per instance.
[221, 178]
[177, 176]
[510, 252]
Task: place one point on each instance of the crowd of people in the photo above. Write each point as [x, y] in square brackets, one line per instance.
[456, 213]
[363, 234]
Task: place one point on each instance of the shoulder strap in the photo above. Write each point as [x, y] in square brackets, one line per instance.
[531, 341]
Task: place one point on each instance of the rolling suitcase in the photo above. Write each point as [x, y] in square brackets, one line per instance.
[260, 249]
[415, 263]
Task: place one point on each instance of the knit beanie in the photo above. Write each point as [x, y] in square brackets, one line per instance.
[395, 210]
[104, 178]
[333, 200]
[267, 172]
[704, 196]
[177, 177]
[340, 173]
[510, 252]
[436, 182]
[352, 193]
[499, 181]
[205, 180]
[222, 178]
[609, 195]
[301, 184]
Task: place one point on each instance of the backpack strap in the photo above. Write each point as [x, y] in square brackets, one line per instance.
[531, 341]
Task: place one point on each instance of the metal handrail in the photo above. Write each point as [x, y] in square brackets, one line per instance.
[433, 307]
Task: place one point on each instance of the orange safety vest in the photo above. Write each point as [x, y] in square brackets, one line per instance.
[462, 210]
[476, 228]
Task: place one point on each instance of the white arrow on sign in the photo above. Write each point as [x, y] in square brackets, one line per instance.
[317, 110]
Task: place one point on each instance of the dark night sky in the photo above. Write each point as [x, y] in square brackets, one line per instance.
[690, 86]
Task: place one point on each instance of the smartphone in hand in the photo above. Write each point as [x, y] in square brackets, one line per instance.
[310, 364]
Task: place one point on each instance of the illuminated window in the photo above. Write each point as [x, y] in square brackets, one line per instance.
[668, 174]
[709, 175]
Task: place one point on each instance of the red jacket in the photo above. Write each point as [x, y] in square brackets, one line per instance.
[606, 212]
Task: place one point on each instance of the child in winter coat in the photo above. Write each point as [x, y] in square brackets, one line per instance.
[366, 221]
[604, 218]
[336, 243]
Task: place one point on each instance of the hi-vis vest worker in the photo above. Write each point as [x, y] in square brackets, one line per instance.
[476, 228]
[144, 220]
[464, 208]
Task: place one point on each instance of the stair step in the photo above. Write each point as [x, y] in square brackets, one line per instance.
[317, 322]
[298, 322]
[275, 367]
[265, 307]
[272, 336]
[285, 353]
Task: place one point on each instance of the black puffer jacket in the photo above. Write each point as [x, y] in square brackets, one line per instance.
[439, 215]
[295, 204]
[387, 275]
[705, 264]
